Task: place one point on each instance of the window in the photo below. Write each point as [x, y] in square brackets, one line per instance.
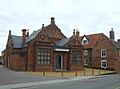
[103, 63]
[43, 57]
[76, 57]
[103, 53]
[84, 41]
[85, 52]
[85, 61]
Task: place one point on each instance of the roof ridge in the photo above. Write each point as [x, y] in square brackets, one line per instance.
[16, 35]
[92, 34]
[33, 35]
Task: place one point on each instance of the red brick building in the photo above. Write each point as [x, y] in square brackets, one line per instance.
[100, 51]
[46, 49]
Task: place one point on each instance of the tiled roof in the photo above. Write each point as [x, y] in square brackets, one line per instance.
[62, 42]
[17, 41]
[56, 33]
[33, 35]
[93, 38]
[116, 44]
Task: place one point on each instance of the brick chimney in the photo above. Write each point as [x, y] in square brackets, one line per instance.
[52, 21]
[24, 36]
[77, 33]
[112, 34]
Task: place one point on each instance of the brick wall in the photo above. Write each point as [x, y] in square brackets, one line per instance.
[117, 65]
[31, 57]
[18, 60]
[75, 67]
[112, 53]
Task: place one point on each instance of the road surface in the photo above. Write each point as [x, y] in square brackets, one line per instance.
[107, 82]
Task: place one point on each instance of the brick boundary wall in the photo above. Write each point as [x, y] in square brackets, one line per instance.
[117, 66]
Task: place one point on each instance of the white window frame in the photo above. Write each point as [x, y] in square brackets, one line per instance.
[103, 50]
[102, 64]
[85, 52]
[85, 63]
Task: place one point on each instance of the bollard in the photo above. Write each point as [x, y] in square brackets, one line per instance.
[92, 71]
[105, 70]
[62, 74]
[99, 71]
[43, 73]
[84, 72]
[76, 73]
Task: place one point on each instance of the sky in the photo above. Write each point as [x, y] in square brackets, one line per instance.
[88, 16]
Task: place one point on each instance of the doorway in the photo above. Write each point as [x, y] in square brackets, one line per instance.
[59, 62]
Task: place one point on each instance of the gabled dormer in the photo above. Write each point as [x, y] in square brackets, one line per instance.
[84, 40]
[73, 41]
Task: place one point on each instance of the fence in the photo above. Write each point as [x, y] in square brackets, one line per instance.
[85, 72]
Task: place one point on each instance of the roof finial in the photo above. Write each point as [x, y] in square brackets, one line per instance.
[73, 31]
[52, 20]
[42, 26]
[9, 32]
[77, 33]
[27, 32]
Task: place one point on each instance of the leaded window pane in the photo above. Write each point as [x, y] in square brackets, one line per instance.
[43, 56]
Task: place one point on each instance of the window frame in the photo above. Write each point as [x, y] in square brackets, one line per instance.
[85, 61]
[103, 51]
[105, 61]
[85, 52]
[43, 56]
[77, 57]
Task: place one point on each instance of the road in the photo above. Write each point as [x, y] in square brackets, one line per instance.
[107, 82]
[8, 76]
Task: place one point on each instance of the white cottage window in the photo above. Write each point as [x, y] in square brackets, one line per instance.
[103, 63]
[103, 53]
